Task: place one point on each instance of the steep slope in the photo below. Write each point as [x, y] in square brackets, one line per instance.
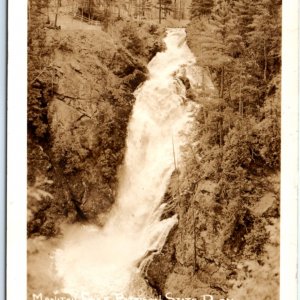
[227, 195]
[79, 107]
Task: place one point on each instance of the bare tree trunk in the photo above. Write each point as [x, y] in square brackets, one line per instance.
[241, 106]
[182, 9]
[56, 13]
[73, 9]
[129, 8]
[174, 154]
[222, 83]
[195, 239]
[159, 12]
[48, 16]
[203, 81]
[175, 10]
[89, 9]
[266, 60]
[179, 10]
[220, 135]
[138, 9]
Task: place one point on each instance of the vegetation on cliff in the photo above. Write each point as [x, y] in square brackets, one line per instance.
[227, 194]
[80, 96]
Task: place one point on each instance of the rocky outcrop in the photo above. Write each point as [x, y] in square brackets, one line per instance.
[93, 76]
[216, 251]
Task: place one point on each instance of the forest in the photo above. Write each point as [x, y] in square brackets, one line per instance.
[227, 195]
[81, 87]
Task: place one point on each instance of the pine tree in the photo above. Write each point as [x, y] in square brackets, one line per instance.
[39, 69]
[167, 7]
[200, 8]
[265, 36]
[244, 11]
[219, 41]
[164, 6]
[146, 5]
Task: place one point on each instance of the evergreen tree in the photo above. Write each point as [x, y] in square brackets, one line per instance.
[165, 7]
[265, 36]
[200, 8]
[244, 11]
[236, 142]
[146, 5]
[39, 69]
[219, 41]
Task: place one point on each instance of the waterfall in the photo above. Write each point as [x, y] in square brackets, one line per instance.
[103, 261]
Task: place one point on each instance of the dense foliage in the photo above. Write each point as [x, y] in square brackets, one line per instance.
[235, 152]
[80, 97]
[40, 71]
[219, 195]
[239, 42]
[226, 194]
[201, 8]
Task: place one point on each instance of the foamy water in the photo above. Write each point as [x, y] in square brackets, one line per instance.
[103, 261]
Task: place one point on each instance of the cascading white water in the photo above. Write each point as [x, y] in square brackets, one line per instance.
[102, 261]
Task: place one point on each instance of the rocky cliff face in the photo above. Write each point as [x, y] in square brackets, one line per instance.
[229, 251]
[86, 104]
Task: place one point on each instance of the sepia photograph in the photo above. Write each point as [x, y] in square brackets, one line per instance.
[153, 149]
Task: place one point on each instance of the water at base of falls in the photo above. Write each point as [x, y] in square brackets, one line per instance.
[104, 261]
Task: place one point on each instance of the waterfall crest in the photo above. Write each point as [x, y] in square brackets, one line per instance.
[102, 261]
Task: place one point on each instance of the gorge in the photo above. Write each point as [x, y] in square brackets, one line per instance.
[154, 160]
[102, 261]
